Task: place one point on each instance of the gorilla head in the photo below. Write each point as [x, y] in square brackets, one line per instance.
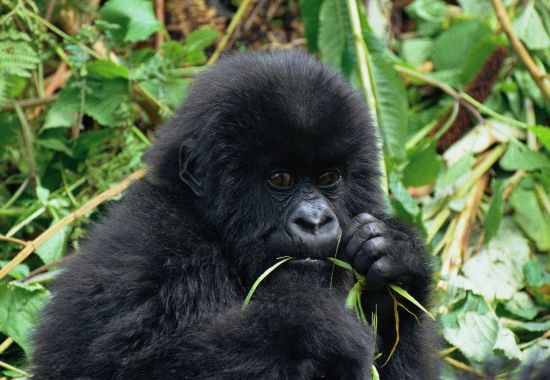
[276, 157]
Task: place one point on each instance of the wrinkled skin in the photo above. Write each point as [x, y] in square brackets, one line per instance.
[271, 155]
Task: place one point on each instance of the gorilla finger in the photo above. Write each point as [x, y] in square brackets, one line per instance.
[381, 272]
[369, 252]
[355, 225]
[365, 233]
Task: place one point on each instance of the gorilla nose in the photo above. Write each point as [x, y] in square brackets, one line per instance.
[314, 221]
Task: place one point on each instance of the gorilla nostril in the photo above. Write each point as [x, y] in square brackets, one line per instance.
[314, 222]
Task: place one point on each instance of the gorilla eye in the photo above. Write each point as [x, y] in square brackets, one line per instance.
[330, 178]
[282, 180]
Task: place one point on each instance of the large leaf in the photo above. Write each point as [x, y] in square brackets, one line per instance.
[494, 270]
[135, 19]
[392, 106]
[423, 168]
[54, 248]
[335, 36]
[473, 328]
[19, 310]
[519, 157]
[310, 9]
[530, 217]
[494, 214]
[196, 42]
[530, 29]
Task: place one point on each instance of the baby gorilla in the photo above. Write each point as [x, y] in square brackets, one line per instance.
[271, 155]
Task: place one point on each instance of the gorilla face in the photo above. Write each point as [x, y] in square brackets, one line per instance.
[278, 158]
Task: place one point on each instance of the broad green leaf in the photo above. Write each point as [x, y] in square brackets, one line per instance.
[64, 112]
[392, 106]
[107, 69]
[170, 92]
[309, 10]
[452, 47]
[340, 263]
[530, 29]
[423, 168]
[473, 328]
[480, 52]
[104, 97]
[196, 42]
[403, 204]
[494, 269]
[335, 36]
[54, 248]
[530, 217]
[476, 8]
[519, 157]
[416, 50]
[136, 20]
[55, 144]
[538, 281]
[506, 342]
[522, 306]
[19, 272]
[494, 214]
[543, 133]
[19, 310]
[428, 14]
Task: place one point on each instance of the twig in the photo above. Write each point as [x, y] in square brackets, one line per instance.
[543, 197]
[28, 140]
[15, 369]
[520, 50]
[29, 102]
[10, 239]
[159, 13]
[5, 344]
[512, 183]
[464, 367]
[49, 10]
[45, 267]
[230, 29]
[456, 252]
[88, 206]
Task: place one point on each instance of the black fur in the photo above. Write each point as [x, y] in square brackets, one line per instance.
[157, 290]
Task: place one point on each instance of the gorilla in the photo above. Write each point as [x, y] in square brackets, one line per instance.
[272, 154]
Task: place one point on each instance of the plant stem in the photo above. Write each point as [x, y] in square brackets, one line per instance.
[28, 140]
[520, 50]
[236, 20]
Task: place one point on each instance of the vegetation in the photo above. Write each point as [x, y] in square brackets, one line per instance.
[460, 94]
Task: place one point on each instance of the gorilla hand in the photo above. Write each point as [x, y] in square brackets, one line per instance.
[386, 252]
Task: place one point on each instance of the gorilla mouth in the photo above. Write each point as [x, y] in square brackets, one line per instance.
[310, 262]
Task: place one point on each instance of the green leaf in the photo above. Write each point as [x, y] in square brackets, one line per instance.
[136, 19]
[340, 263]
[429, 15]
[473, 328]
[480, 52]
[335, 36]
[404, 206]
[450, 180]
[423, 167]
[453, 47]
[17, 56]
[64, 112]
[403, 293]
[527, 326]
[196, 42]
[530, 217]
[54, 248]
[392, 106]
[19, 311]
[506, 342]
[309, 10]
[104, 97]
[107, 69]
[493, 218]
[543, 133]
[170, 92]
[494, 269]
[522, 306]
[20, 271]
[530, 29]
[519, 157]
[416, 50]
[55, 144]
[537, 279]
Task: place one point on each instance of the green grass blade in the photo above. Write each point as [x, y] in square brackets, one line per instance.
[403, 293]
[262, 277]
[340, 263]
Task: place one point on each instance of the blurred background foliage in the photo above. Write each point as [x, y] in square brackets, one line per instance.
[461, 98]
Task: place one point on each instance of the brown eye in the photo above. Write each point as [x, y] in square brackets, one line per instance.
[281, 180]
[330, 178]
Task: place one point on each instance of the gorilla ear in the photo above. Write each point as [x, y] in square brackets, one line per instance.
[188, 172]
